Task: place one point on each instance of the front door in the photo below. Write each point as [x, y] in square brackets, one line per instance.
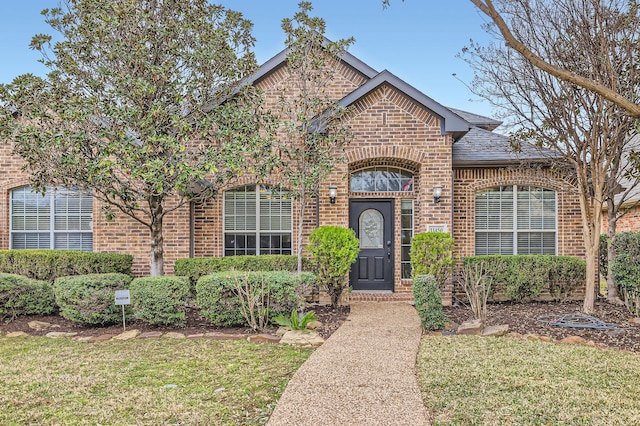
[372, 221]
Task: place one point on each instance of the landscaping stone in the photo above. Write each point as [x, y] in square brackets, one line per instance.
[102, 337]
[150, 335]
[532, 337]
[544, 338]
[634, 321]
[127, 335]
[495, 330]
[470, 327]
[60, 334]
[195, 336]
[314, 325]
[83, 339]
[175, 335]
[572, 340]
[304, 338]
[616, 332]
[281, 331]
[224, 336]
[41, 325]
[263, 338]
[515, 335]
[17, 334]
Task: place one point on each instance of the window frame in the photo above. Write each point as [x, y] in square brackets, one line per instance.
[405, 175]
[514, 231]
[257, 233]
[53, 193]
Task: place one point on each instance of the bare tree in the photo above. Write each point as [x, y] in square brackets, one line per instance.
[589, 132]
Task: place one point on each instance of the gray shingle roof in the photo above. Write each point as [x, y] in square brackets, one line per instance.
[481, 121]
[482, 148]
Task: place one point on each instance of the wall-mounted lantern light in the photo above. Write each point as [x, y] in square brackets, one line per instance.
[437, 193]
[333, 193]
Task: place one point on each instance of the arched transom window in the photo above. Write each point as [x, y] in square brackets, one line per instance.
[515, 219]
[381, 179]
[62, 219]
[257, 220]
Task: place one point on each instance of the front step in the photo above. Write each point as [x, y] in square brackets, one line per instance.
[379, 296]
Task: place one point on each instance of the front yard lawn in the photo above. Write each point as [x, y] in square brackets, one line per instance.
[163, 381]
[496, 381]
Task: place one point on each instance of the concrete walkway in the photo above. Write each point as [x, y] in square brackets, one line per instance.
[364, 374]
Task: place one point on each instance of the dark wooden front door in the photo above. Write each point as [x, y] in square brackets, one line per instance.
[372, 221]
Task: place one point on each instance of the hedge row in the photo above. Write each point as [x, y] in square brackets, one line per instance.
[24, 296]
[195, 268]
[525, 277]
[219, 303]
[47, 265]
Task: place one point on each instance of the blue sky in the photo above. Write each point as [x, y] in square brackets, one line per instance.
[417, 40]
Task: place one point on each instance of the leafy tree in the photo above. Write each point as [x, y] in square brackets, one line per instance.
[590, 136]
[142, 106]
[312, 132]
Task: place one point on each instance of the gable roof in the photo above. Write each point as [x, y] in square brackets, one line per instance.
[450, 123]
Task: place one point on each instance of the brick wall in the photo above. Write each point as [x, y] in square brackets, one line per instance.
[629, 222]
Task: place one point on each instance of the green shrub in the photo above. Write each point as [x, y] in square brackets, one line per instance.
[626, 269]
[432, 254]
[198, 267]
[428, 302]
[220, 304]
[90, 299]
[297, 320]
[47, 265]
[334, 249]
[24, 296]
[603, 258]
[160, 300]
[525, 277]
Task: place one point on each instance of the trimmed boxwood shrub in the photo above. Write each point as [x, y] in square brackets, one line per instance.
[90, 299]
[47, 265]
[428, 302]
[432, 254]
[160, 300]
[197, 267]
[220, 304]
[521, 278]
[24, 296]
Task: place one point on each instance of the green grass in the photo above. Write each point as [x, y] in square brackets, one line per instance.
[61, 382]
[497, 381]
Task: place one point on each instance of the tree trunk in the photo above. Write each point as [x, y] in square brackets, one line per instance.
[157, 240]
[612, 288]
[590, 288]
[303, 202]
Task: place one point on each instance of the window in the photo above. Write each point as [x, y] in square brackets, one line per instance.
[61, 219]
[257, 220]
[406, 233]
[515, 220]
[382, 179]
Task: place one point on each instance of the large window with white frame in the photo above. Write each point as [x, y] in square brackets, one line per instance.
[61, 219]
[257, 220]
[515, 219]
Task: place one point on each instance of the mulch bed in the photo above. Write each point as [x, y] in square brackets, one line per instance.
[522, 318]
[196, 324]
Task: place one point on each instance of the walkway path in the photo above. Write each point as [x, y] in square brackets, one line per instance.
[364, 374]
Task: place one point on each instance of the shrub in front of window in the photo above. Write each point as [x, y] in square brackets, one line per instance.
[522, 278]
[197, 267]
[160, 300]
[334, 250]
[47, 265]
[219, 301]
[90, 299]
[24, 296]
[432, 254]
[428, 300]
[626, 269]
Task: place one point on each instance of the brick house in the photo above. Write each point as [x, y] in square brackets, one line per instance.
[414, 165]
